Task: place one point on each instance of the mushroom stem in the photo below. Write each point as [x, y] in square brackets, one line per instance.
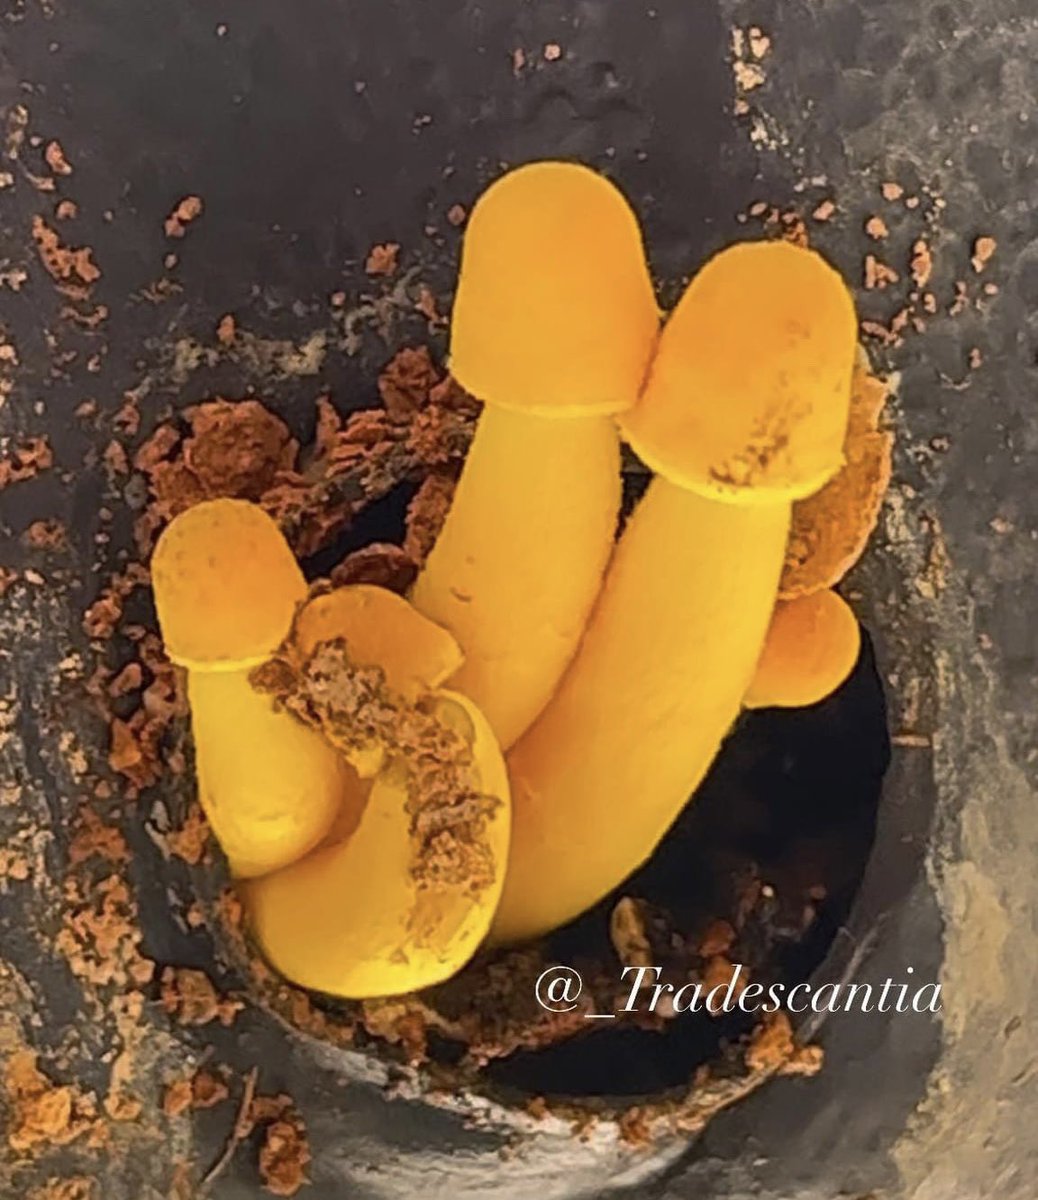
[640, 715]
[352, 919]
[516, 568]
[402, 900]
[226, 589]
[553, 327]
[744, 410]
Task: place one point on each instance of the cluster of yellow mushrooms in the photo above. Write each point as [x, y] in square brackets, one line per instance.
[398, 781]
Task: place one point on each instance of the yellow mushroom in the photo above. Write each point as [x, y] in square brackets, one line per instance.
[769, 321]
[226, 586]
[226, 589]
[404, 900]
[744, 410]
[553, 327]
[811, 648]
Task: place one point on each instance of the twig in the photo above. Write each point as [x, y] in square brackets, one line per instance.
[240, 1130]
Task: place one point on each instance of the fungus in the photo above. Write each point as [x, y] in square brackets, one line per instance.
[810, 649]
[405, 898]
[744, 410]
[226, 586]
[829, 530]
[747, 397]
[226, 589]
[553, 326]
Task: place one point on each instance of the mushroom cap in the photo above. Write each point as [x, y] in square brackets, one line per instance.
[811, 648]
[554, 312]
[226, 586]
[748, 394]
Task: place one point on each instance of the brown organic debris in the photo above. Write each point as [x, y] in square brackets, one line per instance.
[921, 264]
[24, 461]
[353, 708]
[284, 1155]
[41, 1113]
[186, 211]
[73, 270]
[878, 274]
[984, 248]
[830, 529]
[55, 158]
[191, 997]
[383, 259]
[383, 564]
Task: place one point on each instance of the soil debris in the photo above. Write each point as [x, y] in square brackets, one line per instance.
[187, 210]
[383, 259]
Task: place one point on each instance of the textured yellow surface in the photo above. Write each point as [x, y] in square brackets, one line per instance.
[750, 389]
[226, 585]
[350, 920]
[270, 786]
[811, 648]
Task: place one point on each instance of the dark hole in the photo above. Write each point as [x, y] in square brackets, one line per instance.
[790, 801]
[382, 521]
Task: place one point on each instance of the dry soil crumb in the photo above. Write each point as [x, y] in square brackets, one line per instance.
[383, 564]
[921, 264]
[892, 191]
[40, 1112]
[426, 514]
[824, 211]
[771, 1044]
[876, 228]
[77, 1187]
[552, 52]
[46, 534]
[983, 250]
[456, 215]
[877, 274]
[55, 158]
[192, 839]
[191, 998]
[25, 461]
[186, 211]
[202, 1090]
[74, 270]
[226, 329]
[284, 1155]
[382, 259]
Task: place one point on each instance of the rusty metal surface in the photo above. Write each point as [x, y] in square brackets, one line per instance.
[315, 131]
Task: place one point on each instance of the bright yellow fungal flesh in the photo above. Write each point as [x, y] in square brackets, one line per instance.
[555, 311]
[748, 394]
[226, 586]
[811, 648]
[553, 327]
[351, 920]
[744, 409]
[269, 786]
[517, 566]
[639, 716]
